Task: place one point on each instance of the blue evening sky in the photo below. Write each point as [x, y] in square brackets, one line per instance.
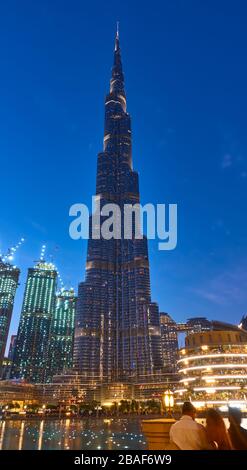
[186, 75]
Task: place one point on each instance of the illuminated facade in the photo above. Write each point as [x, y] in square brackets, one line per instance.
[117, 328]
[198, 324]
[12, 346]
[73, 387]
[6, 368]
[31, 351]
[9, 277]
[169, 338]
[213, 368]
[21, 393]
[62, 333]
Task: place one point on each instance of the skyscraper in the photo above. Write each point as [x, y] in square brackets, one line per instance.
[31, 351]
[169, 339]
[62, 333]
[117, 329]
[9, 277]
[7, 361]
[12, 346]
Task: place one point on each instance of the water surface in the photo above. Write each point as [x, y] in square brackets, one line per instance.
[72, 434]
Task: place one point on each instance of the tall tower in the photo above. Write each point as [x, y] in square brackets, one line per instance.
[62, 333]
[9, 277]
[31, 351]
[117, 329]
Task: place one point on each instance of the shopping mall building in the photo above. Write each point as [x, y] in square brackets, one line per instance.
[213, 368]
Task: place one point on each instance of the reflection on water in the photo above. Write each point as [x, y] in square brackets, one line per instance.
[75, 434]
[72, 434]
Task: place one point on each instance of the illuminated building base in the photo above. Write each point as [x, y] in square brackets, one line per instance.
[73, 388]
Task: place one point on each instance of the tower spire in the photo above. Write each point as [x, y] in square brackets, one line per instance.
[117, 38]
[117, 79]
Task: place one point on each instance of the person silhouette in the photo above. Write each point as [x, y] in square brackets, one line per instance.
[237, 433]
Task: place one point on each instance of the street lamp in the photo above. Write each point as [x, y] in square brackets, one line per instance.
[168, 401]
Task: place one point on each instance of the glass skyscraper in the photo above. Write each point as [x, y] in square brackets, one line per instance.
[117, 328]
[9, 277]
[12, 346]
[31, 350]
[62, 333]
[169, 339]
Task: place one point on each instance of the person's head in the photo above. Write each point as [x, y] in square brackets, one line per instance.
[216, 428]
[234, 416]
[188, 409]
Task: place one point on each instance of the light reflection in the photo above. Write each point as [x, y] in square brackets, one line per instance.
[2, 434]
[21, 435]
[41, 429]
[88, 433]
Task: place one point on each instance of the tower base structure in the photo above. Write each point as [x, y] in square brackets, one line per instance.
[73, 387]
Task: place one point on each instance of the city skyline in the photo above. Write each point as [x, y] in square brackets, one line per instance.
[206, 274]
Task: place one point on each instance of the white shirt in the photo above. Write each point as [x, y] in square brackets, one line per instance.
[187, 434]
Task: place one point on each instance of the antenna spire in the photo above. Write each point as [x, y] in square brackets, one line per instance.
[117, 77]
[117, 38]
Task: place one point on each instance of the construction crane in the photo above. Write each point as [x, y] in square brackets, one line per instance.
[9, 256]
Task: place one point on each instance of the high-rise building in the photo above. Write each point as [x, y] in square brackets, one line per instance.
[9, 277]
[7, 361]
[31, 351]
[169, 339]
[12, 346]
[62, 333]
[117, 328]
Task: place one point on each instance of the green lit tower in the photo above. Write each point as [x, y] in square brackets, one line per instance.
[9, 277]
[31, 353]
[62, 333]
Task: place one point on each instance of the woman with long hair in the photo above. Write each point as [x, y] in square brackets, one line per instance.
[216, 431]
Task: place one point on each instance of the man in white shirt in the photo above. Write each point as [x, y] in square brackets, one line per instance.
[186, 433]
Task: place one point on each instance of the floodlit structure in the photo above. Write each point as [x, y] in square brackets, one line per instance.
[169, 338]
[61, 340]
[117, 327]
[213, 368]
[9, 278]
[31, 351]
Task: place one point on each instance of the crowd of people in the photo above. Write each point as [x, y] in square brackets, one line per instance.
[187, 434]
